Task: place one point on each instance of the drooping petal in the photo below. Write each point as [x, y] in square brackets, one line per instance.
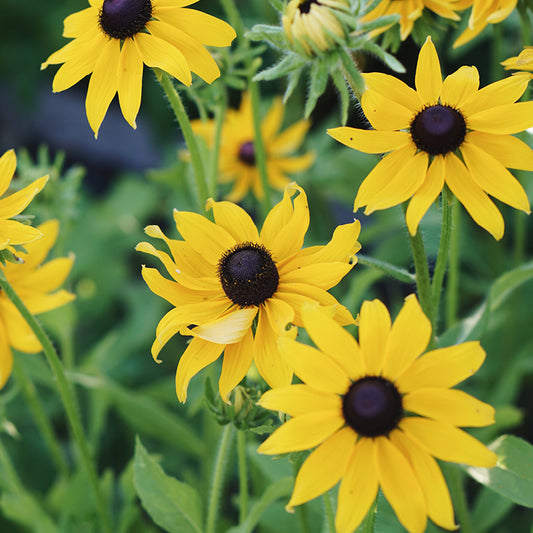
[197, 356]
[370, 141]
[129, 83]
[447, 442]
[324, 467]
[302, 432]
[374, 330]
[400, 485]
[459, 86]
[227, 329]
[443, 368]
[235, 220]
[428, 77]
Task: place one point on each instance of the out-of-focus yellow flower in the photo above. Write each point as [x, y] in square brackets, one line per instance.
[523, 61]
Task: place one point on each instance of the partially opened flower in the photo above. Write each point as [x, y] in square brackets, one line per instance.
[483, 12]
[235, 290]
[523, 61]
[11, 231]
[410, 11]
[379, 411]
[446, 132]
[113, 39]
[237, 160]
[37, 285]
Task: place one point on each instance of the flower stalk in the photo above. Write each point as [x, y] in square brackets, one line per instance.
[243, 476]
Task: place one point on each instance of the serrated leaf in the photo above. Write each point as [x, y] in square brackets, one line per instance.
[512, 477]
[172, 504]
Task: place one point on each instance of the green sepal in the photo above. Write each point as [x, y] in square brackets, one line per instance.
[319, 79]
[294, 78]
[352, 72]
[340, 83]
[287, 65]
[265, 32]
[279, 5]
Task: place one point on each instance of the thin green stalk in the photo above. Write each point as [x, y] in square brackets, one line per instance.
[497, 52]
[452, 285]
[525, 24]
[218, 478]
[67, 397]
[190, 139]
[423, 284]
[442, 257]
[220, 113]
[455, 478]
[243, 476]
[370, 518]
[330, 516]
[41, 418]
[391, 270]
[301, 510]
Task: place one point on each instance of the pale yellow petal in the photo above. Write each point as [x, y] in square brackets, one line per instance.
[227, 329]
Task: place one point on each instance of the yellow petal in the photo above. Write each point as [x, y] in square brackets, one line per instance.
[491, 176]
[313, 367]
[271, 124]
[428, 77]
[38, 250]
[426, 194]
[451, 406]
[409, 337]
[385, 114]
[400, 485]
[474, 199]
[323, 275]
[197, 356]
[40, 303]
[443, 368]
[302, 432]
[13, 232]
[129, 83]
[19, 335]
[324, 467]
[370, 141]
[290, 139]
[48, 277]
[395, 89]
[299, 399]
[459, 86]
[447, 442]
[280, 315]
[227, 329]
[429, 475]
[504, 119]
[374, 330]
[6, 357]
[358, 489]
[8, 164]
[16, 203]
[80, 22]
[235, 220]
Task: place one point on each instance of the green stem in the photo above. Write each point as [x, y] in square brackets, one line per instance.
[368, 522]
[423, 284]
[41, 418]
[525, 23]
[497, 52]
[218, 478]
[455, 480]
[186, 128]
[393, 271]
[443, 253]
[68, 399]
[243, 476]
[328, 507]
[452, 285]
[220, 113]
[301, 510]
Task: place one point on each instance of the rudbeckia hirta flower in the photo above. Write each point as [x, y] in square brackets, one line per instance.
[37, 285]
[379, 412]
[237, 160]
[410, 11]
[13, 232]
[446, 132]
[113, 39]
[235, 290]
[523, 61]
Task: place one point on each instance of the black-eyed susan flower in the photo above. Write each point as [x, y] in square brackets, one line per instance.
[410, 11]
[237, 161]
[37, 285]
[446, 132]
[113, 39]
[523, 61]
[483, 12]
[13, 232]
[379, 411]
[234, 290]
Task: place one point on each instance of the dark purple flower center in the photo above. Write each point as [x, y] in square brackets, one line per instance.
[248, 274]
[247, 153]
[372, 406]
[121, 19]
[438, 129]
[305, 6]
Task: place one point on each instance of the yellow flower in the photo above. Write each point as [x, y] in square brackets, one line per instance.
[11, 231]
[35, 284]
[426, 129]
[410, 11]
[226, 275]
[379, 413]
[523, 61]
[483, 12]
[314, 21]
[113, 39]
[237, 162]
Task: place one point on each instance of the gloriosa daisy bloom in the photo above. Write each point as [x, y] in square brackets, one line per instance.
[427, 129]
[523, 61]
[237, 161]
[410, 11]
[234, 290]
[484, 12]
[13, 232]
[37, 286]
[113, 39]
[379, 413]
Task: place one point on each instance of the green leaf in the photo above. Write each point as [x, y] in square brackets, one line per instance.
[23, 509]
[319, 79]
[173, 505]
[287, 65]
[264, 32]
[387, 58]
[512, 477]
